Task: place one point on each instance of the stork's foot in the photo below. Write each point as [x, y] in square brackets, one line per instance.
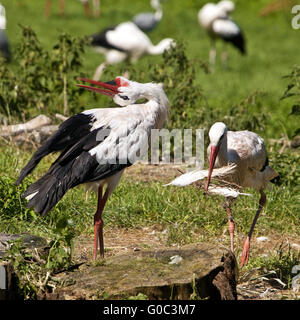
[245, 253]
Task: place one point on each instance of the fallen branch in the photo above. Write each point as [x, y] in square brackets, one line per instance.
[17, 129]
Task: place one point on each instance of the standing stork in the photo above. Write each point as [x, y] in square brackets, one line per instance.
[147, 21]
[4, 44]
[97, 145]
[247, 151]
[215, 19]
[125, 41]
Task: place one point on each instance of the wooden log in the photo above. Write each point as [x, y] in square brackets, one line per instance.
[60, 117]
[17, 129]
[199, 274]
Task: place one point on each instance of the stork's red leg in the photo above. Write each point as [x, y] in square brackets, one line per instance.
[87, 9]
[230, 224]
[246, 248]
[62, 5]
[98, 222]
[47, 8]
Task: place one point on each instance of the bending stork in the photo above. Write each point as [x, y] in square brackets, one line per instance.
[215, 19]
[125, 41]
[97, 145]
[247, 151]
[147, 21]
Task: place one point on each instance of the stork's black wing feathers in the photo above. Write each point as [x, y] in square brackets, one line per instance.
[73, 167]
[100, 40]
[238, 41]
[68, 133]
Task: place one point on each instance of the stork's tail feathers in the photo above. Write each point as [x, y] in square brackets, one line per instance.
[47, 191]
[29, 168]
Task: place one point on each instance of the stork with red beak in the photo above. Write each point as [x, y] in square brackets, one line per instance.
[97, 145]
[247, 150]
[241, 159]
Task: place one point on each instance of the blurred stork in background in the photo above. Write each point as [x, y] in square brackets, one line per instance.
[125, 41]
[4, 45]
[215, 19]
[86, 5]
[147, 21]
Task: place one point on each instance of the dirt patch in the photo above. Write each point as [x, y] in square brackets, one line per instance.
[164, 173]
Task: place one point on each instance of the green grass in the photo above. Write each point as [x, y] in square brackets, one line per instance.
[272, 45]
[184, 211]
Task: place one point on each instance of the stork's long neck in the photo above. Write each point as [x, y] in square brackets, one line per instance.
[157, 105]
[158, 13]
[159, 48]
[158, 9]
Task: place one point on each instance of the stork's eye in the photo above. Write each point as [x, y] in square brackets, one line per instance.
[124, 97]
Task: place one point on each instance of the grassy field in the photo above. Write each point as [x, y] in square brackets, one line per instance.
[272, 46]
[272, 51]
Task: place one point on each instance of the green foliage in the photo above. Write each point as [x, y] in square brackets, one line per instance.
[281, 262]
[11, 203]
[139, 296]
[43, 81]
[66, 60]
[287, 165]
[26, 269]
[61, 244]
[293, 90]
[249, 113]
[178, 74]
[32, 268]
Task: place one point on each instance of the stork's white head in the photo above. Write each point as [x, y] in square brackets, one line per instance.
[123, 91]
[128, 91]
[155, 4]
[227, 6]
[217, 134]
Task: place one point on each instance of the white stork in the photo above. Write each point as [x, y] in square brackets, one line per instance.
[215, 19]
[247, 151]
[147, 21]
[97, 145]
[4, 44]
[125, 41]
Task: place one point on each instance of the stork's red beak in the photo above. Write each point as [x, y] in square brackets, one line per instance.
[213, 155]
[111, 87]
